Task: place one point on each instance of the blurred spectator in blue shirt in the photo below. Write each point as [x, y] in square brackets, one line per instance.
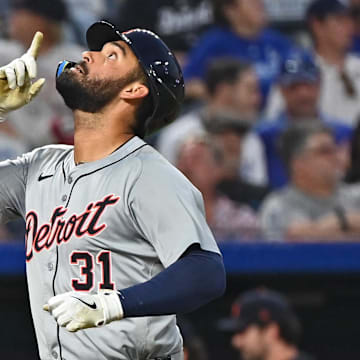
[299, 83]
[178, 22]
[241, 33]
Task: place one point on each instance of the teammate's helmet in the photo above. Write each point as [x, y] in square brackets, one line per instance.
[158, 62]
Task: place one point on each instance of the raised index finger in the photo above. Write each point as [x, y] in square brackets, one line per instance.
[35, 44]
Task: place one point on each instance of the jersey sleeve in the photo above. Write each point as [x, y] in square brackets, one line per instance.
[168, 211]
[13, 175]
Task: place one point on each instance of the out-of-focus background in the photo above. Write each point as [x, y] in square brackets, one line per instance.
[269, 133]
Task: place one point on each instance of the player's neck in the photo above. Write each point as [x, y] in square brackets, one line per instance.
[95, 137]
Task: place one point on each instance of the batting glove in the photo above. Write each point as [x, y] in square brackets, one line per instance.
[77, 311]
[16, 88]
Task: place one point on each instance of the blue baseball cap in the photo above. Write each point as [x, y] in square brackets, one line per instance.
[320, 9]
[299, 67]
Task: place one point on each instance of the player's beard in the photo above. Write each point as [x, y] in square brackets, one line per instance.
[90, 95]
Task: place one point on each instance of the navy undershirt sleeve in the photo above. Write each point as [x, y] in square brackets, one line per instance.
[192, 281]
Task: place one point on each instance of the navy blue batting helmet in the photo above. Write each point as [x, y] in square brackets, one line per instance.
[158, 62]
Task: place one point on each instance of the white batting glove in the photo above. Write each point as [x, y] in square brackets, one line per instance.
[16, 88]
[77, 311]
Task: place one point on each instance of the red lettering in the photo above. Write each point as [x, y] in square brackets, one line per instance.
[60, 230]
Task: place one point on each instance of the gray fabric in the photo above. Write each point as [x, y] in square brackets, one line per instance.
[155, 215]
[288, 205]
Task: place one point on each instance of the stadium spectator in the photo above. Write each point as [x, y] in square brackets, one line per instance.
[201, 160]
[299, 83]
[240, 32]
[83, 13]
[10, 148]
[355, 13]
[178, 22]
[229, 133]
[264, 327]
[353, 173]
[315, 205]
[231, 86]
[332, 30]
[47, 120]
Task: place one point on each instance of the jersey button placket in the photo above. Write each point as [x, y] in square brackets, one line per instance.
[64, 198]
[54, 354]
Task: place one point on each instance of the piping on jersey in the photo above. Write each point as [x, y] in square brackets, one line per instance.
[67, 204]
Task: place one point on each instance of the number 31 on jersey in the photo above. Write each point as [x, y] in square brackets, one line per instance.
[86, 262]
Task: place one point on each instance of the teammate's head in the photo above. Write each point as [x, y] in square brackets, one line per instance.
[135, 67]
[261, 319]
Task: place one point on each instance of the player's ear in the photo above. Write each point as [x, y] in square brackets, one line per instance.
[136, 90]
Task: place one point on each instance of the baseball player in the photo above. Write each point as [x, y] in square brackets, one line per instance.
[117, 241]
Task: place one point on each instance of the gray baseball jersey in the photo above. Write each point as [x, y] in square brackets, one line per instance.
[108, 224]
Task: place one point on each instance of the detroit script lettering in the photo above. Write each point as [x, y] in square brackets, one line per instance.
[59, 231]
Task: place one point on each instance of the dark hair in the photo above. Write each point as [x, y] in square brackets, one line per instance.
[289, 328]
[224, 121]
[218, 10]
[224, 70]
[293, 140]
[193, 343]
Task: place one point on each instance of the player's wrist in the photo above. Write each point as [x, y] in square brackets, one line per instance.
[112, 307]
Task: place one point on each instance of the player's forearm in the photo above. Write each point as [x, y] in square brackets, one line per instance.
[190, 282]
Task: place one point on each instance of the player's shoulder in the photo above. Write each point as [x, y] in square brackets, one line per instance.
[50, 153]
[155, 168]
[151, 161]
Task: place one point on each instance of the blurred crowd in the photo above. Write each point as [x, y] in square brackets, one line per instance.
[270, 130]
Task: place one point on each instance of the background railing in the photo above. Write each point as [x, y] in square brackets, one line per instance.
[320, 280]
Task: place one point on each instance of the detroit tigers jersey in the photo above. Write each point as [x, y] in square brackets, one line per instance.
[107, 224]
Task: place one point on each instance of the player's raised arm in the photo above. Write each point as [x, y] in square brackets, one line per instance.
[16, 87]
